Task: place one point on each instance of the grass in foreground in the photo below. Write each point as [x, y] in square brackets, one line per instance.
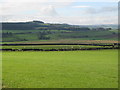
[70, 69]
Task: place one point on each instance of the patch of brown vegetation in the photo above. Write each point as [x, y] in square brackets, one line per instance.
[74, 41]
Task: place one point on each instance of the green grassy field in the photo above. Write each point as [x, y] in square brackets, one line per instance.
[61, 69]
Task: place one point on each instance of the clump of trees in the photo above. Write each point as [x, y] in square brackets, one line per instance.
[101, 29]
[7, 34]
[42, 36]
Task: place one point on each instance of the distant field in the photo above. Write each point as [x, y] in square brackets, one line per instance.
[71, 69]
[48, 35]
[74, 41]
[65, 41]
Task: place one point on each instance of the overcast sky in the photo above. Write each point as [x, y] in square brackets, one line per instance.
[61, 11]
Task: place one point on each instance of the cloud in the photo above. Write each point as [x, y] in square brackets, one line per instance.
[18, 1]
[48, 11]
[91, 11]
[42, 9]
[106, 9]
[59, 1]
[80, 20]
[109, 9]
[81, 6]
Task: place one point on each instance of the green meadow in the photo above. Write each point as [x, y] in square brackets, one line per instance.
[60, 69]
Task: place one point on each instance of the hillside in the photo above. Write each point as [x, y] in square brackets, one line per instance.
[40, 31]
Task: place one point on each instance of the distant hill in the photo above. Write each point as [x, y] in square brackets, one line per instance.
[40, 31]
[39, 25]
[113, 26]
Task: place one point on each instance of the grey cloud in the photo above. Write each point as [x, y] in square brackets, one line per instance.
[109, 9]
[48, 11]
[101, 10]
[91, 11]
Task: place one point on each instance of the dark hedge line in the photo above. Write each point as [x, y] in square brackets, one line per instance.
[57, 49]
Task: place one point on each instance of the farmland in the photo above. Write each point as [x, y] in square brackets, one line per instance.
[42, 55]
[71, 69]
[35, 35]
[40, 31]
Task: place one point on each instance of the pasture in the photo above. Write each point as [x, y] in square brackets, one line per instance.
[60, 69]
[34, 35]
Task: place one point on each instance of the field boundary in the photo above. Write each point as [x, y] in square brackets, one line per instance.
[112, 44]
[57, 49]
[103, 46]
